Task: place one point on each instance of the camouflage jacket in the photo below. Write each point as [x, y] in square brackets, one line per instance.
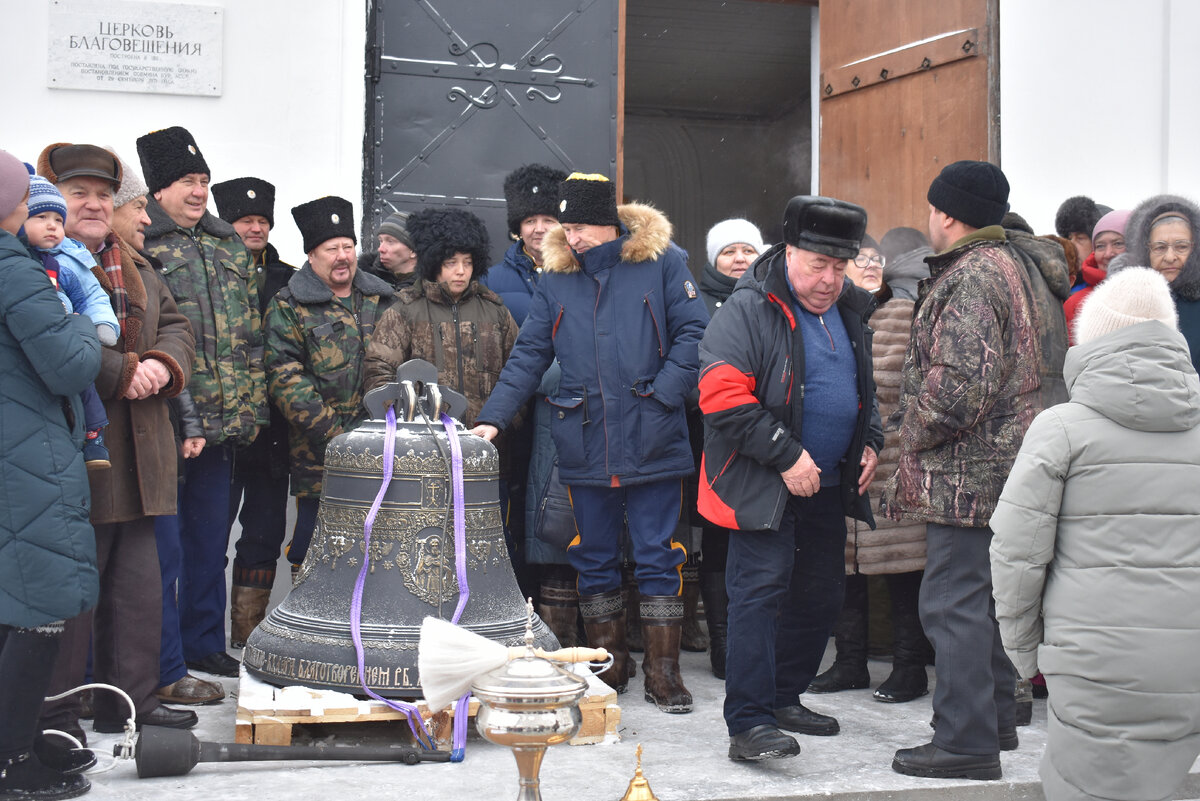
[970, 384]
[469, 340]
[207, 270]
[314, 355]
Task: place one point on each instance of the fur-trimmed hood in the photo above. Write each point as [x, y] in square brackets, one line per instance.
[649, 233]
[161, 222]
[307, 287]
[1137, 235]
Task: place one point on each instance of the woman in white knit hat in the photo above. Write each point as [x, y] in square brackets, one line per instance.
[1096, 553]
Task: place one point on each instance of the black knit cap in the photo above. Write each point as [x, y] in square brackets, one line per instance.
[1076, 215]
[439, 233]
[168, 155]
[323, 219]
[973, 192]
[242, 197]
[588, 199]
[530, 190]
[824, 225]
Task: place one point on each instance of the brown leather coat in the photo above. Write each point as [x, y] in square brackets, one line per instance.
[141, 444]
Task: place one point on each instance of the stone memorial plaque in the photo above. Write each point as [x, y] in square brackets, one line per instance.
[128, 46]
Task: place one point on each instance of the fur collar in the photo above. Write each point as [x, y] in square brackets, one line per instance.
[1137, 234]
[306, 287]
[649, 236]
[161, 222]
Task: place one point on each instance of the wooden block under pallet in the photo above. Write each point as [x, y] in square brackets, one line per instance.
[266, 714]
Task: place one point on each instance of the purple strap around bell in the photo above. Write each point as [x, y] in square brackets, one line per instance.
[410, 710]
[461, 707]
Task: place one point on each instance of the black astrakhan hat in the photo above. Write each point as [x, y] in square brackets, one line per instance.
[972, 192]
[242, 197]
[530, 190]
[324, 218]
[439, 233]
[1077, 214]
[168, 155]
[824, 225]
[588, 199]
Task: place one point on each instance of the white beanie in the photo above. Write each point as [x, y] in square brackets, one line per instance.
[1132, 296]
[729, 232]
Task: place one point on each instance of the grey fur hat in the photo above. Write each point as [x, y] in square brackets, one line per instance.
[1137, 237]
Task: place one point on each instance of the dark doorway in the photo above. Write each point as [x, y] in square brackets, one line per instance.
[717, 112]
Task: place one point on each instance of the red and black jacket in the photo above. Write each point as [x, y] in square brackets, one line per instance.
[752, 397]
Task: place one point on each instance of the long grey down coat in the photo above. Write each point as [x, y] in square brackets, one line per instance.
[1096, 567]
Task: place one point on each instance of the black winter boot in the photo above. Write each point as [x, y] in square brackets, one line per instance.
[909, 679]
[849, 668]
[25, 777]
[693, 637]
[604, 622]
[716, 612]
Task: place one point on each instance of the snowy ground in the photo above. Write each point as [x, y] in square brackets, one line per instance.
[684, 758]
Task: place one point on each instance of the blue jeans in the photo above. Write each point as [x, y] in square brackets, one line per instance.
[204, 537]
[785, 593]
[652, 511]
[171, 667]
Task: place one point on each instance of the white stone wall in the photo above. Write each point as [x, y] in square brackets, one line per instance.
[1098, 97]
[291, 110]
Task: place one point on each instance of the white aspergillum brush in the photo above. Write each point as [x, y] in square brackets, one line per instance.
[450, 657]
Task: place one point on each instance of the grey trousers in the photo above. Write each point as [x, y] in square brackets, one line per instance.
[973, 697]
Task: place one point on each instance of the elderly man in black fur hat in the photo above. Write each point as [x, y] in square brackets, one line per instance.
[792, 437]
[317, 328]
[260, 471]
[207, 269]
[1075, 219]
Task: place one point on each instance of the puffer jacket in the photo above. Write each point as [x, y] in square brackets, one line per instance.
[1185, 289]
[1096, 563]
[468, 340]
[47, 357]
[970, 384]
[1045, 263]
[894, 546]
[207, 270]
[752, 397]
[514, 279]
[624, 319]
[315, 351]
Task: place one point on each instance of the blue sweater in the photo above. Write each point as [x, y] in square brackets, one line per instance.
[830, 391]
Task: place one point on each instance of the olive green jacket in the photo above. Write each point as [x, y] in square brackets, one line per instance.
[314, 354]
[207, 270]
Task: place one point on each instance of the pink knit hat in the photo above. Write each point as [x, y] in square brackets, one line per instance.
[1113, 221]
[14, 183]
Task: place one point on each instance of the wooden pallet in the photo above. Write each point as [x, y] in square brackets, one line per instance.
[266, 714]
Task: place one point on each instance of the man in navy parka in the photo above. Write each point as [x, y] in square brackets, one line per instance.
[618, 307]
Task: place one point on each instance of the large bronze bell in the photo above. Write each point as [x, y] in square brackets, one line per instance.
[306, 640]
